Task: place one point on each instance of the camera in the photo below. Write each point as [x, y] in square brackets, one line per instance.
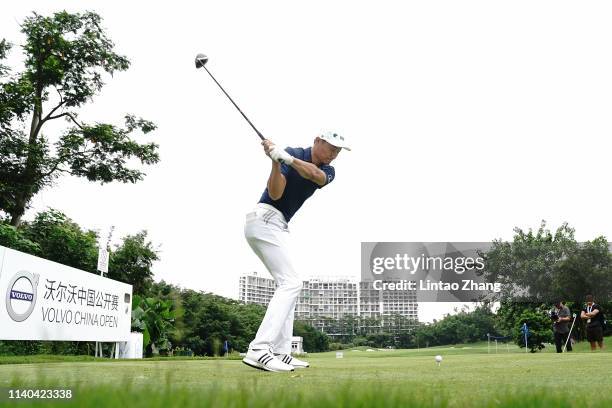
[554, 316]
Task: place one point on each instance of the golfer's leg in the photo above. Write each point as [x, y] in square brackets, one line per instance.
[568, 340]
[278, 319]
[270, 247]
[283, 341]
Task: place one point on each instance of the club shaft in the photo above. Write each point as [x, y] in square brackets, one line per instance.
[234, 103]
[569, 335]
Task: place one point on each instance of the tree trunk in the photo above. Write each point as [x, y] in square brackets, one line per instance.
[19, 209]
[27, 177]
[15, 220]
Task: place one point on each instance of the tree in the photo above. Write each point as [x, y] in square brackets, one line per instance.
[512, 316]
[154, 317]
[370, 325]
[527, 267]
[168, 292]
[380, 340]
[66, 56]
[313, 339]
[63, 241]
[13, 238]
[245, 325]
[588, 270]
[131, 262]
[348, 326]
[465, 326]
[209, 320]
[54, 236]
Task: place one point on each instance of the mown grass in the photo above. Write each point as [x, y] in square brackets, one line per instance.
[396, 378]
[47, 358]
[345, 395]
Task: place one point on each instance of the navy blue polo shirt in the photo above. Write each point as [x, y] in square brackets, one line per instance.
[297, 189]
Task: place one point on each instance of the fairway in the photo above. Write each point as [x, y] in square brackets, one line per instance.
[468, 376]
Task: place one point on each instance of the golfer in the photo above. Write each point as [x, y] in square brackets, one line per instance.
[296, 174]
[593, 317]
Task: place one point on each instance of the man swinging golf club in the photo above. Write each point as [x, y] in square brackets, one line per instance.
[296, 174]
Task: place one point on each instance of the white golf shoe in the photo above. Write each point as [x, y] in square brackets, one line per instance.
[289, 359]
[265, 360]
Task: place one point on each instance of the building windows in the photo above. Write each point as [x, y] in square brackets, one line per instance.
[333, 299]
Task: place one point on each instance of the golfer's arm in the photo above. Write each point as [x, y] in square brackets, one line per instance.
[276, 182]
[583, 315]
[593, 313]
[309, 171]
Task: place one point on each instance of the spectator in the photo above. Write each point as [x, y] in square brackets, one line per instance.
[561, 317]
[593, 316]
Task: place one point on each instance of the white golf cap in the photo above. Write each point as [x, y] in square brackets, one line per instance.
[335, 139]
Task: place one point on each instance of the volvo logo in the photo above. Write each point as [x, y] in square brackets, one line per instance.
[21, 295]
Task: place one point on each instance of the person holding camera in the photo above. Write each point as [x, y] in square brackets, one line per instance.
[593, 317]
[561, 317]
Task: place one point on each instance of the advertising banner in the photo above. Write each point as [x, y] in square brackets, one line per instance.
[44, 300]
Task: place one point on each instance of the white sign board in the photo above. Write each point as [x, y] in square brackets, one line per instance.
[44, 300]
[103, 260]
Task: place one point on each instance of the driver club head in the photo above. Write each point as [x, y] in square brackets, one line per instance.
[200, 60]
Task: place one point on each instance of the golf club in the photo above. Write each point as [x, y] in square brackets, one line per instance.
[200, 62]
[569, 335]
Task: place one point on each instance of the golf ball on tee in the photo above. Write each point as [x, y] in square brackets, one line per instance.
[438, 359]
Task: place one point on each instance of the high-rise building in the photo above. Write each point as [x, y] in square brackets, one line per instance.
[326, 301]
[336, 305]
[256, 289]
[397, 309]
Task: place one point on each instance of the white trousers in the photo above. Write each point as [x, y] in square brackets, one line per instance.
[267, 233]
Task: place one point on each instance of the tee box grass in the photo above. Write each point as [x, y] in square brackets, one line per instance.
[468, 376]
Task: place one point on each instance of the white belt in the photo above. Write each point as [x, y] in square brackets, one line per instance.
[271, 208]
[268, 214]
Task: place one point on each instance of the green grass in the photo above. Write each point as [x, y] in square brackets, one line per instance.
[468, 377]
[48, 358]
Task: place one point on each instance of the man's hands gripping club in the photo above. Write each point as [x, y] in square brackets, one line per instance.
[276, 182]
[277, 154]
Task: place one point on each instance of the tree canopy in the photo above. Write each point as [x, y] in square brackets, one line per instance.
[542, 267]
[66, 57]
